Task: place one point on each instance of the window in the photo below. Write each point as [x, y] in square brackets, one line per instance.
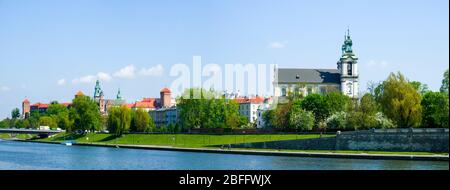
[349, 68]
[349, 88]
[283, 91]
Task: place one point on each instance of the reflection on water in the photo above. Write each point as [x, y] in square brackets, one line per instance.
[25, 155]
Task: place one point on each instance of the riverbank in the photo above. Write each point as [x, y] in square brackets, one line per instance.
[299, 153]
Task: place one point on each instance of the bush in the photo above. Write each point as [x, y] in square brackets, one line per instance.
[383, 122]
[301, 120]
[337, 121]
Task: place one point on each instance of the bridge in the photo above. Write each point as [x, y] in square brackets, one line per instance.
[41, 133]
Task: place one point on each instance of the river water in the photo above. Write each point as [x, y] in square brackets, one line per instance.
[32, 156]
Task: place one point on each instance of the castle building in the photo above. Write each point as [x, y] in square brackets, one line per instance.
[306, 81]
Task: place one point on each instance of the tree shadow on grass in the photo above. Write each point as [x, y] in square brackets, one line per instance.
[68, 137]
[108, 138]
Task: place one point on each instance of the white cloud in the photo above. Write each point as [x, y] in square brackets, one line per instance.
[5, 88]
[157, 70]
[126, 72]
[84, 79]
[104, 76]
[277, 45]
[61, 82]
[91, 78]
[377, 64]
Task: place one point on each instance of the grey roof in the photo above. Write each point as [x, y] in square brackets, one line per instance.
[286, 75]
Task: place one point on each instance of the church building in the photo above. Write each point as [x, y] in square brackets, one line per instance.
[344, 78]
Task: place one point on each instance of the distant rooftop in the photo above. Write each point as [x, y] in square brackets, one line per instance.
[287, 75]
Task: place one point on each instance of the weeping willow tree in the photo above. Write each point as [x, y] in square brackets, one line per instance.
[400, 101]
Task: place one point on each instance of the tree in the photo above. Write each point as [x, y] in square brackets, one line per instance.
[337, 121]
[368, 104]
[86, 114]
[337, 102]
[317, 104]
[208, 110]
[47, 121]
[60, 114]
[4, 123]
[399, 101]
[301, 120]
[119, 120]
[420, 88]
[444, 86]
[15, 113]
[435, 110]
[140, 121]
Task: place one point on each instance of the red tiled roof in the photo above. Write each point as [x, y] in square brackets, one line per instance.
[145, 103]
[40, 105]
[253, 100]
[148, 99]
[165, 90]
[66, 104]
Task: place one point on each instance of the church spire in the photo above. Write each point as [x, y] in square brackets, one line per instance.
[97, 90]
[347, 46]
[119, 96]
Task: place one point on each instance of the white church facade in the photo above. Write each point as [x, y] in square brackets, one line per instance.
[295, 81]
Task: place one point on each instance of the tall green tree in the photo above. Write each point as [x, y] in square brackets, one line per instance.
[337, 102]
[47, 121]
[85, 114]
[444, 86]
[60, 114]
[200, 108]
[15, 113]
[317, 104]
[435, 110]
[421, 88]
[399, 101]
[141, 121]
[119, 120]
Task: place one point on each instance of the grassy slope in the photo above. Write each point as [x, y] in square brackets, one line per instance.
[179, 140]
[208, 141]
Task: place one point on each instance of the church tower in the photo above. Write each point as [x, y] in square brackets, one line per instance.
[348, 68]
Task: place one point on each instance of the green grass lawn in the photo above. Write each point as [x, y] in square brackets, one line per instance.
[207, 141]
[177, 140]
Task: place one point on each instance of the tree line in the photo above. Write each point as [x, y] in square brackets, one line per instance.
[84, 116]
[395, 102]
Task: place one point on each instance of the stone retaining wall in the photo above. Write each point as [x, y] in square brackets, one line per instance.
[412, 140]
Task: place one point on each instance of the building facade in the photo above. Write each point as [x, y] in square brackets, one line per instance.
[248, 107]
[164, 117]
[295, 81]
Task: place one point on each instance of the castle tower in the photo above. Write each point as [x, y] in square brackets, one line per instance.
[165, 97]
[101, 103]
[25, 108]
[348, 68]
[97, 91]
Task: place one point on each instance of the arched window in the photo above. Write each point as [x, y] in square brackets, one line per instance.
[349, 68]
[283, 91]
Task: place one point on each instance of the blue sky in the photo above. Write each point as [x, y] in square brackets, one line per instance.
[50, 49]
